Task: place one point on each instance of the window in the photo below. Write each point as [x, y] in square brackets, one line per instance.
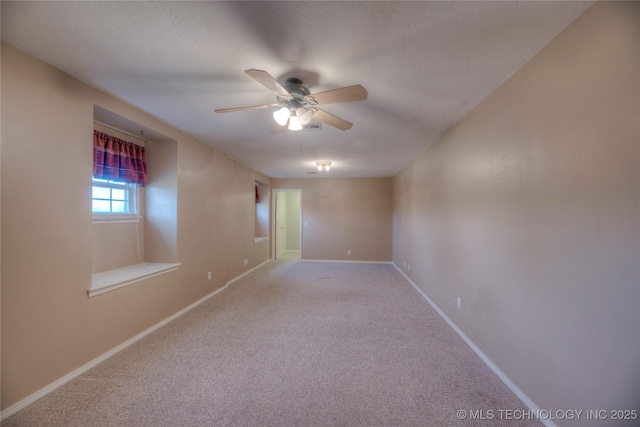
[114, 200]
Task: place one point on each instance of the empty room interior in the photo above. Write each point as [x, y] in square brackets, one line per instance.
[480, 159]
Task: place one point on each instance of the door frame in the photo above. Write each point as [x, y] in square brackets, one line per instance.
[273, 223]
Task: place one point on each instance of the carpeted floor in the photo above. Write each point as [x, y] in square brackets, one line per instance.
[292, 344]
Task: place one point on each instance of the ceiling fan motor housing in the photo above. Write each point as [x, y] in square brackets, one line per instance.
[295, 88]
[299, 93]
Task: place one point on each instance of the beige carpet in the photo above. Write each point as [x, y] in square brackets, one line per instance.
[292, 344]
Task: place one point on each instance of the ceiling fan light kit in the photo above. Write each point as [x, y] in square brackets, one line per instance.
[281, 116]
[294, 123]
[297, 105]
[304, 116]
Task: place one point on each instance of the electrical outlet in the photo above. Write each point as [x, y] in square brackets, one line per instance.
[349, 252]
[459, 302]
[209, 276]
[246, 261]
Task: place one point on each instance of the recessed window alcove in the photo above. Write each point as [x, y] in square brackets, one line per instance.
[262, 212]
[128, 252]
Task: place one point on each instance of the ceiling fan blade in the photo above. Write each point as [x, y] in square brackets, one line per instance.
[269, 82]
[253, 107]
[345, 94]
[331, 120]
[278, 129]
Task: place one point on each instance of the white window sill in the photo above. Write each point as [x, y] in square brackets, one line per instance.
[260, 239]
[117, 278]
[115, 218]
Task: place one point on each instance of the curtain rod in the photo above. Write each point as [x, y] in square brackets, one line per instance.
[120, 130]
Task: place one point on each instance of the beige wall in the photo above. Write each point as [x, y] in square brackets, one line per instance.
[528, 209]
[49, 325]
[161, 202]
[344, 214]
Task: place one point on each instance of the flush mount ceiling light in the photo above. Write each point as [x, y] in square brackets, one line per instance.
[324, 165]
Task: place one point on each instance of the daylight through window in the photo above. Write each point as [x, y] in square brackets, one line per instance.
[110, 197]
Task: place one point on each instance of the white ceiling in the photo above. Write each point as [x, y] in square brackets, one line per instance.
[425, 65]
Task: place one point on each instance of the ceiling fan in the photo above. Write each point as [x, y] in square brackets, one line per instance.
[297, 106]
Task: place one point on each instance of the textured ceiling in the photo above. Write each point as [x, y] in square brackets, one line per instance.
[425, 65]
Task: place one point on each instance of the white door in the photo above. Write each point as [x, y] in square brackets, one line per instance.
[287, 227]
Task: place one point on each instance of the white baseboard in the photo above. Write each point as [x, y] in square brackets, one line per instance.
[347, 261]
[247, 272]
[514, 388]
[84, 368]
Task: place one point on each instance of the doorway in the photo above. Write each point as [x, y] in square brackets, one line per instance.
[287, 230]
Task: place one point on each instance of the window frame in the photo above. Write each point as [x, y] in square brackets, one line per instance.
[132, 196]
